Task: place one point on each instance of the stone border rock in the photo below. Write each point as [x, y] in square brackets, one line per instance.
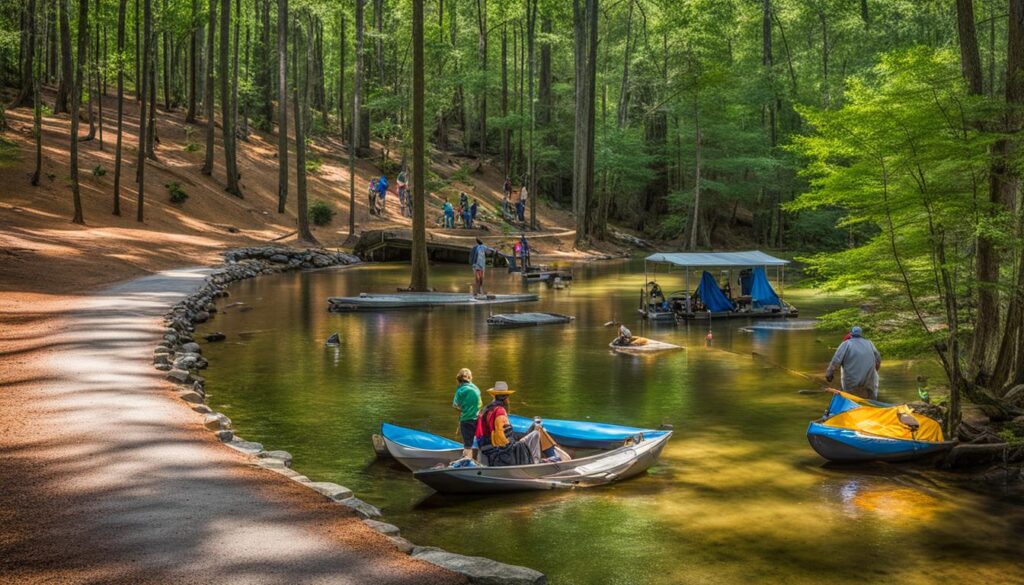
[181, 358]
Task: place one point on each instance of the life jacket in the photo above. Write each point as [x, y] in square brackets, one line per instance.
[485, 423]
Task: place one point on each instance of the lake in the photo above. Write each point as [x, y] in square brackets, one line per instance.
[738, 497]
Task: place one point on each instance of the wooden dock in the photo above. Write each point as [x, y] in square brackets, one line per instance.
[390, 246]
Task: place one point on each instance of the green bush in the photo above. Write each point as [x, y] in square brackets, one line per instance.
[191, 147]
[177, 194]
[313, 163]
[99, 171]
[462, 174]
[320, 213]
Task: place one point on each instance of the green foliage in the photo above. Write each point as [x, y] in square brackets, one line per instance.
[10, 152]
[320, 213]
[313, 162]
[176, 193]
[462, 174]
[904, 164]
[98, 171]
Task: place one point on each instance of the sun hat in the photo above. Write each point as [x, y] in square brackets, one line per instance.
[500, 389]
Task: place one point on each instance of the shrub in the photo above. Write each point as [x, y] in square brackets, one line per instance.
[313, 163]
[462, 174]
[177, 194]
[191, 147]
[99, 171]
[320, 213]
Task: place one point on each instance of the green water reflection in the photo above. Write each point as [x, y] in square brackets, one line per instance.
[739, 496]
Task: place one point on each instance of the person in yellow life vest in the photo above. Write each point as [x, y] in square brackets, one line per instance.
[498, 443]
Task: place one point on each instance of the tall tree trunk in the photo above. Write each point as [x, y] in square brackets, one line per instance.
[300, 100]
[227, 106]
[76, 103]
[585, 34]
[121, 9]
[545, 99]
[138, 54]
[151, 136]
[360, 86]
[418, 281]
[37, 109]
[627, 56]
[531, 22]
[145, 52]
[209, 92]
[60, 105]
[235, 75]
[1009, 367]
[26, 93]
[99, 81]
[986, 264]
[506, 139]
[481, 46]
[165, 57]
[342, 46]
[698, 139]
[51, 42]
[282, 105]
[353, 146]
[193, 62]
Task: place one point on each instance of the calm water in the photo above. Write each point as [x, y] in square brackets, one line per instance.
[738, 497]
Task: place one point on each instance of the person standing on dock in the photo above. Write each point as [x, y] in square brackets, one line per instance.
[524, 251]
[860, 361]
[478, 258]
[467, 402]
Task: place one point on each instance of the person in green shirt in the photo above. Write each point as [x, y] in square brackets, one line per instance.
[467, 402]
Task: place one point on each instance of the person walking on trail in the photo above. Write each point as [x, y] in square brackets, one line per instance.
[382, 188]
[449, 214]
[521, 206]
[860, 361]
[467, 402]
[478, 258]
[373, 197]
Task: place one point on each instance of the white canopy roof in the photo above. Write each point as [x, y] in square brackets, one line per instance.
[724, 259]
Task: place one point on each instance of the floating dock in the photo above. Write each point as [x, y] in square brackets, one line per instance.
[411, 300]
[527, 319]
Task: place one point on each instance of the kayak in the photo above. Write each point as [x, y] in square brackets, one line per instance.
[646, 346]
[603, 468]
[418, 449]
[854, 429]
[578, 434]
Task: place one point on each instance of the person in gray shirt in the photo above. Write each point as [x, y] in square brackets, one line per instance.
[860, 361]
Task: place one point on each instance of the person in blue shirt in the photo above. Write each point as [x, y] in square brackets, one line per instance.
[449, 214]
[382, 188]
[478, 258]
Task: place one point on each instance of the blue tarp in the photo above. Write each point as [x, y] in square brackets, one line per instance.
[760, 291]
[711, 295]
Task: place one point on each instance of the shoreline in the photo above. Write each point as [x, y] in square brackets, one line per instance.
[179, 357]
[108, 479]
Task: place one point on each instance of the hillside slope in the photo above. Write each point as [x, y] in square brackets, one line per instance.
[41, 250]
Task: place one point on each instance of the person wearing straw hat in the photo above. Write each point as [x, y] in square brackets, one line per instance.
[499, 445]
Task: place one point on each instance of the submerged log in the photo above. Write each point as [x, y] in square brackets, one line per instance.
[965, 456]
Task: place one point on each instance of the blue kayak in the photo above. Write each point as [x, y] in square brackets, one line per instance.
[419, 449]
[855, 429]
[578, 434]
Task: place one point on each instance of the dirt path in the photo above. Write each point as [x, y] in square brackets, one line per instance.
[106, 477]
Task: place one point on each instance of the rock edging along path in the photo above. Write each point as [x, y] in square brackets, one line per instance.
[180, 357]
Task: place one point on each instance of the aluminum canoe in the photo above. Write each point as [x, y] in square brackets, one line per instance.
[600, 469]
